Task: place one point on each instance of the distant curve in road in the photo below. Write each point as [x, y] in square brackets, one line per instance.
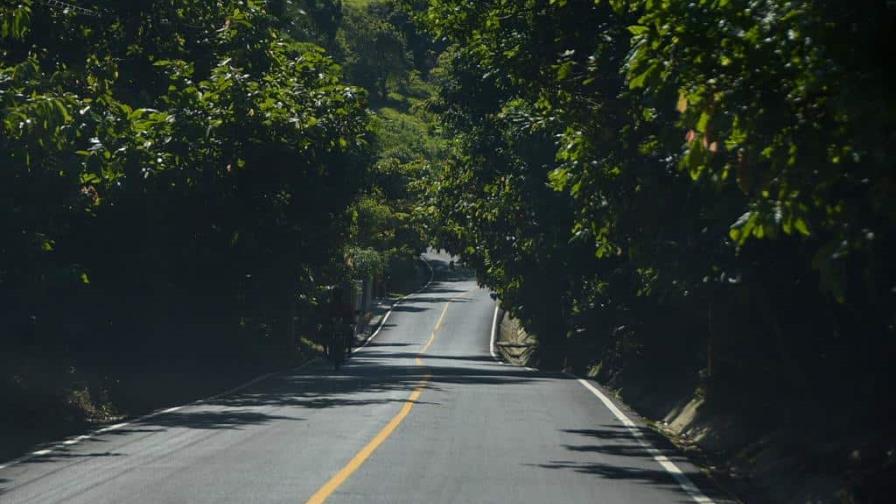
[422, 414]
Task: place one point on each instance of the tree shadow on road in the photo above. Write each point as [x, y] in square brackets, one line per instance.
[615, 471]
[410, 309]
[214, 420]
[377, 376]
[197, 417]
[413, 303]
[370, 379]
[622, 456]
[428, 358]
[375, 344]
[68, 455]
[618, 440]
[442, 290]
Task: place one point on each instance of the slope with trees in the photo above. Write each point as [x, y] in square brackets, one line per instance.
[686, 197]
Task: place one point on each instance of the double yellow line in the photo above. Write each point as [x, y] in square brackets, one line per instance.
[358, 460]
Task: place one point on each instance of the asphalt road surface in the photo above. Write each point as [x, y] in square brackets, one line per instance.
[422, 414]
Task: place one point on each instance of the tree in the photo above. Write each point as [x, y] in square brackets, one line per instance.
[219, 153]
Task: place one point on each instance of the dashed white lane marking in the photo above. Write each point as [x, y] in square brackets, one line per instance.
[683, 481]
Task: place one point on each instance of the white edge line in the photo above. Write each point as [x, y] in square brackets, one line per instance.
[683, 481]
[83, 437]
[397, 301]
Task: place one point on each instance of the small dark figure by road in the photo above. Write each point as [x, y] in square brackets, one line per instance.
[340, 327]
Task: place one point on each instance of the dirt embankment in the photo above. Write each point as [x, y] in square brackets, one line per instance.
[514, 344]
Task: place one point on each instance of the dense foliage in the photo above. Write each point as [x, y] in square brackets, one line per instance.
[176, 181]
[381, 50]
[184, 181]
[706, 185]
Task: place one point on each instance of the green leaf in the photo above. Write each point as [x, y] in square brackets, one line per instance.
[703, 122]
[564, 70]
[558, 178]
[800, 225]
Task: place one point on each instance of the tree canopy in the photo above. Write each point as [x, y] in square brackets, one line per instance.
[711, 178]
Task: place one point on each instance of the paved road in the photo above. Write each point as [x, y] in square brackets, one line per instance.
[421, 415]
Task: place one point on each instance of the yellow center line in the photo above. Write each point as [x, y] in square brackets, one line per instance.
[324, 492]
